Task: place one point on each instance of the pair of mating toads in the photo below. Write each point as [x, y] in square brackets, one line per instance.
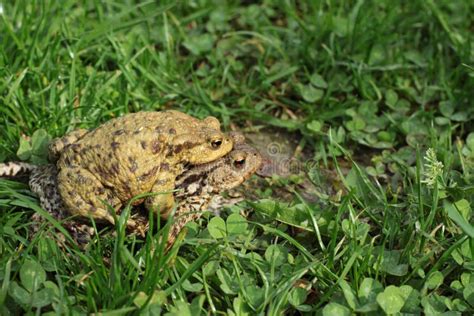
[182, 161]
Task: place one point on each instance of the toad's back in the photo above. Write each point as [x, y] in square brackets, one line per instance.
[128, 152]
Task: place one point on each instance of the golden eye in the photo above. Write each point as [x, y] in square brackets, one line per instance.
[216, 143]
[239, 163]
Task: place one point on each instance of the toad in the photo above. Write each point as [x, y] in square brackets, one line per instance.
[131, 155]
[200, 185]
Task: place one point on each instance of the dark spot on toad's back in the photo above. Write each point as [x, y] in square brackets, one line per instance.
[118, 132]
[178, 148]
[143, 143]
[195, 178]
[114, 145]
[133, 164]
[148, 174]
[114, 168]
[189, 145]
[100, 190]
[155, 146]
[172, 131]
[164, 167]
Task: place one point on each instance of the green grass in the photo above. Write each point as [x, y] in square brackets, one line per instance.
[372, 224]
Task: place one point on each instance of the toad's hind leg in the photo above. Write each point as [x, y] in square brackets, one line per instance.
[84, 195]
[57, 145]
[43, 182]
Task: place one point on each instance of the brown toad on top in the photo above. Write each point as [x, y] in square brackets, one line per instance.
[199, 185]
[132, 155]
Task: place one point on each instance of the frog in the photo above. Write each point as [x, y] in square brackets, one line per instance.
[195, 189]
[132, 155]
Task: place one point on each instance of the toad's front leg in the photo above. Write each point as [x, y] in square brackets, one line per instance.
[83, 194]
[163, 202]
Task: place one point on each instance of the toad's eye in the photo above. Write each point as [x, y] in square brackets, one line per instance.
[239, 163]
[216, 143]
